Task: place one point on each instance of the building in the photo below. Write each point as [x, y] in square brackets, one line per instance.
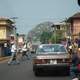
[60, 31]
[62, 27]
[6, 29]
[74, 25]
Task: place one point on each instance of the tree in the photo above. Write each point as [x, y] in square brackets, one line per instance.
[45, 37]
[56, 38]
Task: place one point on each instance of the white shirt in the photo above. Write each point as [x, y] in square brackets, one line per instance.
[13, 48]
[24, 48]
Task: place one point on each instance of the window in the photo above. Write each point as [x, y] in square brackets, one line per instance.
[51, 48]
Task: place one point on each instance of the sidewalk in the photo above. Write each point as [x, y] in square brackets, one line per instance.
[4, 58]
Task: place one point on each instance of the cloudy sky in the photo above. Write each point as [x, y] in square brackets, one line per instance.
[29, 13]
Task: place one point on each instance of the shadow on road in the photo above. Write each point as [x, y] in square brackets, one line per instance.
[53, 74]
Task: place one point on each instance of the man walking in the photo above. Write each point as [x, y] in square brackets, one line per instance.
[13, 54]
[24, 51]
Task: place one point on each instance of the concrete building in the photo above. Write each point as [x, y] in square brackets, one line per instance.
[74, 25]
[6, 29]
[61, 28]
[60, 31]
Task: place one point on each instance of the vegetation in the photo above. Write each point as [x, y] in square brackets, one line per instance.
[43, 33]
[57, 36]
[40, 29]
[45, 37]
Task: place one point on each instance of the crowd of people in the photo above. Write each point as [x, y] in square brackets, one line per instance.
[74, 50]
[24, 51]
[73, 47]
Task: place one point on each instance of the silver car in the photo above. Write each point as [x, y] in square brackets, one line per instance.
[51, 57]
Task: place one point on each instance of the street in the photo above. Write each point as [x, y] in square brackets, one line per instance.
[47, 32]
[23, 71]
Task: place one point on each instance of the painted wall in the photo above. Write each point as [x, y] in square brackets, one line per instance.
[2, 32]
[76, 26]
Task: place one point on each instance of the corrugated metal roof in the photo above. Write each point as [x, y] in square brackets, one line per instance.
[75, 16]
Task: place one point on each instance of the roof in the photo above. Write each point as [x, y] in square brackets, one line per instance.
[75, 16]
[60, 23]
[6, 19]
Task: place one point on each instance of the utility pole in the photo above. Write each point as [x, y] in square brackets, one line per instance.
[15, 32]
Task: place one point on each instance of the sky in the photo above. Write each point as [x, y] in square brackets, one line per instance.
[30, 13]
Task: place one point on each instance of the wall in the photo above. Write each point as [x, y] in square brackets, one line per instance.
[2, 32]
[3, 22]
[76, 26]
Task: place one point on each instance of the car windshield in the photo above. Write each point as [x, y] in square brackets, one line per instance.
[51, 48]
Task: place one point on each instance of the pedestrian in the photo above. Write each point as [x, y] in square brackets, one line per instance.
[75, 45]
[13, 58]
[24, 51]
[29, 47]
[74, 68]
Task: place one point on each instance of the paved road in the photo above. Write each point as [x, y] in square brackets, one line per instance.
[23, 71]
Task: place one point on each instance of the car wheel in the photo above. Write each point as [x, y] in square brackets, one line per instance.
[36, 73]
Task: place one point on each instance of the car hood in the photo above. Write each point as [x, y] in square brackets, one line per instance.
[52, 56]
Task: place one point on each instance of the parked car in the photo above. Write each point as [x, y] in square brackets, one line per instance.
[51, 57]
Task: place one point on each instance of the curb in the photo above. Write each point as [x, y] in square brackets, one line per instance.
[4, 58]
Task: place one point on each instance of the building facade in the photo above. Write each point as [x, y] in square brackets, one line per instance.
[75, 25]
[6, 29]
[60, 31]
